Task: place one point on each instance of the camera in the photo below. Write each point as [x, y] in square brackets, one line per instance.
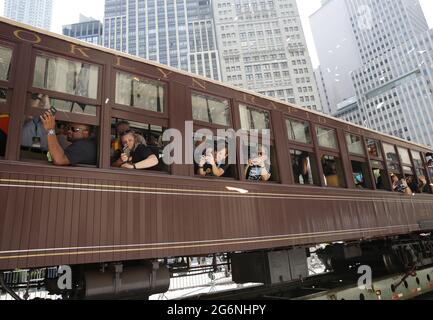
[53, 111]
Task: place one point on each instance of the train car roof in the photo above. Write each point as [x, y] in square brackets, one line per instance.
[196, 76]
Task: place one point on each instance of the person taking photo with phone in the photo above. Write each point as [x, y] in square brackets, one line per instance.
[83, 146]
[258, 168]
[134, 155]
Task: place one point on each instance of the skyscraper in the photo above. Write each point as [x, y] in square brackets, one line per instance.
[88, 29]
[393, 47]
[37, 13]
[262, 48]
[179, 33]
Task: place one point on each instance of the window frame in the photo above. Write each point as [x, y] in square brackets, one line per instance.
[259, 109]
[208, 125]
[140, 120]
[294, 142]
[379, 145]
[331, 151]
[8, 85]
[134, 110]
[387, 162]
[362, 140]
[60, 95]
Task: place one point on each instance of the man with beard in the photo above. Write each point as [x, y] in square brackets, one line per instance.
[82, 149]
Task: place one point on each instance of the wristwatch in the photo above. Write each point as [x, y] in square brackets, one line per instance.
[51, 132]
[134, 166]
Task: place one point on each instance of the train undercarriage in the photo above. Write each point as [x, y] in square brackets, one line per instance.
[140, 279]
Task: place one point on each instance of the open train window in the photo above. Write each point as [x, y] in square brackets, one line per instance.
[361, 175]
[4, 130]
[34, 142]
[333, 171]
[421, 178]
[259, 162]
[141, 143]
[380, 178]
[304, 167]
[212, 157]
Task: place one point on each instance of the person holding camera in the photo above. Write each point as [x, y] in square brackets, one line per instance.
[83, 146]
[258, 166]
[400, 185]
[135, 155]
[215, 164]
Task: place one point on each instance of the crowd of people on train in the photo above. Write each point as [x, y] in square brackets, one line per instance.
[75, 144]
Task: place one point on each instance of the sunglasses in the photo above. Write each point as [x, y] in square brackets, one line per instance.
[73, 129]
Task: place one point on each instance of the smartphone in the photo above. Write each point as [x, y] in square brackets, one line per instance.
[53, 111]
[126, 151]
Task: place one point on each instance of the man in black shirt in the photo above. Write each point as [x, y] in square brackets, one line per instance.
[81, 151]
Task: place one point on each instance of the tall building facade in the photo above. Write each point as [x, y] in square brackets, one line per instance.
[262, 48]
[337, 51]
[37, 13]
[178, 33]
[88, 29]
[393, 83]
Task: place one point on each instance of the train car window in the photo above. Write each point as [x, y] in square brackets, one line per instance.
[259, 162]
[3, 95]
[333, 171]
[391, 158]
[380, 177]
[34, 139]
[254, 119]
[361, 175]
[4, 130]
[66, 76]
[421, 176]
[326, 137]
[417, 159]
[147, 142]
[404, 156]
[138, 92]
[5, 62]
[373, 147]
[355, 145]
[299, 131]
[304, 168]
[210, 109]
[429, 161]
[211, 157]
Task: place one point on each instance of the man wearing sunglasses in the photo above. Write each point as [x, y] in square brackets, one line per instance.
[82, 149]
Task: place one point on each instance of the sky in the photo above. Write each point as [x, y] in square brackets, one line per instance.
[67, 12]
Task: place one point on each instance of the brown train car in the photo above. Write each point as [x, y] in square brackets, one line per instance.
[85, 215]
